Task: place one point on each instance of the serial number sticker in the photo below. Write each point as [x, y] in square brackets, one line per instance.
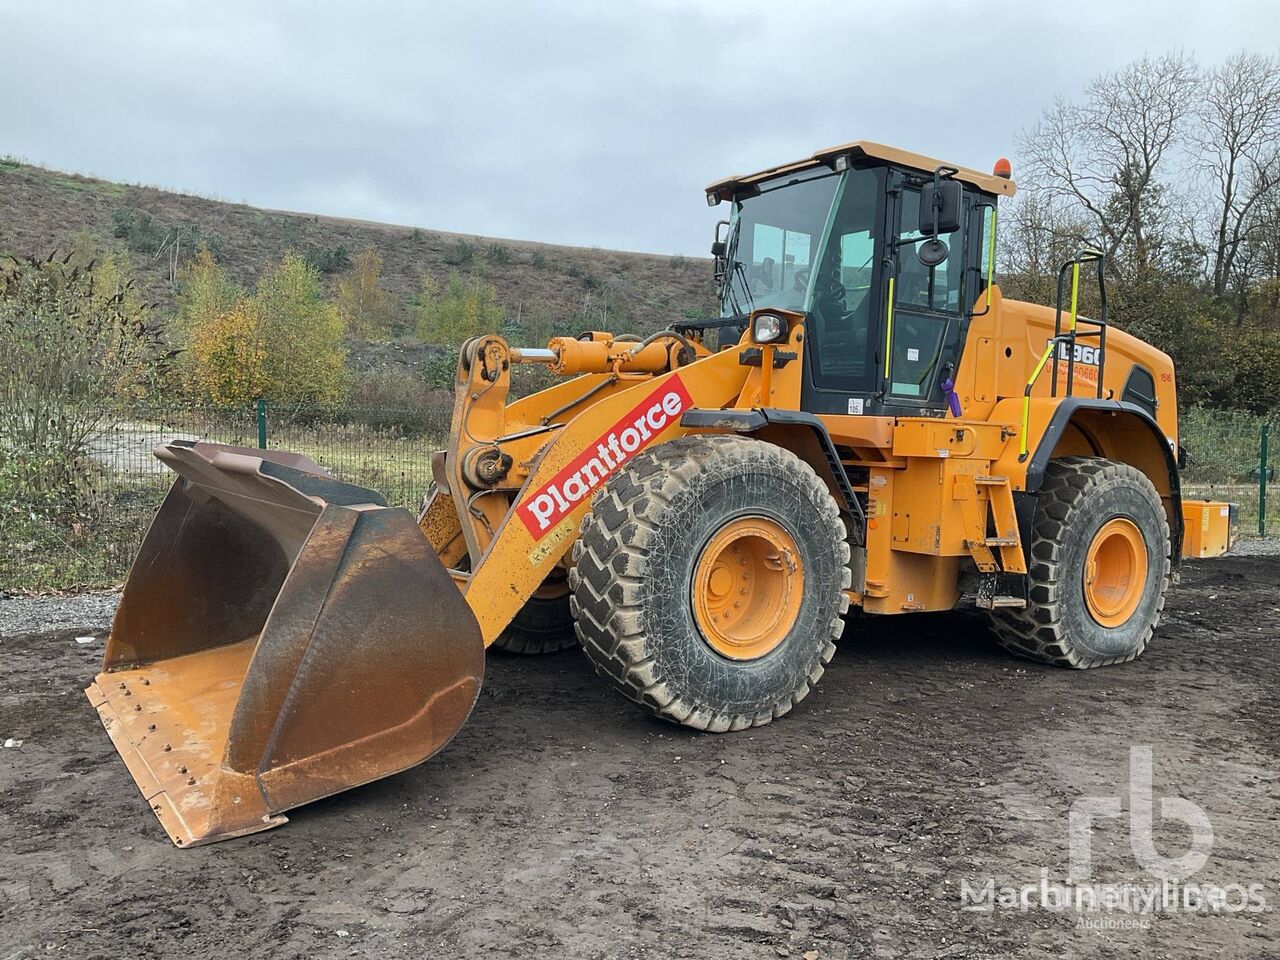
[855, 407]
[913, 353]
[549, 543]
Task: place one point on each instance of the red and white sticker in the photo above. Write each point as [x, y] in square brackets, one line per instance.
[547, 505]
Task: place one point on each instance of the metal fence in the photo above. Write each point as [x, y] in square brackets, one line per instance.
[1230, 459]
[90, 543]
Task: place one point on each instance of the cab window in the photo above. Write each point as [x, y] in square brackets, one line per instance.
[841, 301]
[918, 286]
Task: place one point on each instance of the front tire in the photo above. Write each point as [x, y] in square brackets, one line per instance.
[709, 581]
[1098, 567]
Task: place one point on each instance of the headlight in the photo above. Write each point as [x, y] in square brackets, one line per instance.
[768, 328]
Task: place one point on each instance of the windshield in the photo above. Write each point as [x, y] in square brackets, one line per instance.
[773, 242]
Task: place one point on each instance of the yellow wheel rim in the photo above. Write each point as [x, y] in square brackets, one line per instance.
[1115, 572]
[747, 587]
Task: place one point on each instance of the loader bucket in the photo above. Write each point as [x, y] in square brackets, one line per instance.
[282, 636]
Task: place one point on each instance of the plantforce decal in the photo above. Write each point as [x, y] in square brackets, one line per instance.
[547, 505]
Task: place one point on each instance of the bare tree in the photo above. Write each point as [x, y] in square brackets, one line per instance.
[1036, 236]
[1238, 143]
[1105, 154]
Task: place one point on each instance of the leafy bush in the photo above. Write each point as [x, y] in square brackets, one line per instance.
[204, 294]
[283, 343]
[143, 234]
[1222, 445]
[1251, 372]
[462, 253]
[497, 252]
[463, 308]
[365, 307]
[303, 335]
[398, 389]
[75, 345]
[230, 357]
[538, 259]
[328, 259]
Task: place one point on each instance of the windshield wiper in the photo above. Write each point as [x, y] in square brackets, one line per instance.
[737, 271]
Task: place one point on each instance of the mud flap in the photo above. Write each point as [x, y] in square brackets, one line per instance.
[282, 637]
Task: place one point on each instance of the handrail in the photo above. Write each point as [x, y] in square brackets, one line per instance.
[991, 257]
[1031, 382]
[888, 337]
[1059, 338]
[1087, 255]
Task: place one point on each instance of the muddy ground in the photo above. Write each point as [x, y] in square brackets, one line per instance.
[563, 823]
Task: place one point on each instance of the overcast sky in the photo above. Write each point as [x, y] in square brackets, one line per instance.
[583, 123]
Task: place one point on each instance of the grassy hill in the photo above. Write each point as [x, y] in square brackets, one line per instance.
[569, 288]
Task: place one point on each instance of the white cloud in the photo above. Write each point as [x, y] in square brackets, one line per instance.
[577, 123]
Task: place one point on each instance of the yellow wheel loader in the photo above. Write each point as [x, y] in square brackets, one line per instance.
[867, 423]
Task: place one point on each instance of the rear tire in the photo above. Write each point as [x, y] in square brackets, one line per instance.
[1098, 567]
[543, 625]
[709, 581]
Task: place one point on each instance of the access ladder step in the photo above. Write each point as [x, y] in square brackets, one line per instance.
[1001, 541]
[991, 481]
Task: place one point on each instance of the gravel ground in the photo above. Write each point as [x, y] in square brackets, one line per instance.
[91, 611]
[1257, 547]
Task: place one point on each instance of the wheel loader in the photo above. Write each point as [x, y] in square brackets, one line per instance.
[868, 423]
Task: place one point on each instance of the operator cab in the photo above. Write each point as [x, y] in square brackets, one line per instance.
[887, 253]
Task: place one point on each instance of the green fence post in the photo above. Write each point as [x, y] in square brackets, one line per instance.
[262, 425]
[1262, 483]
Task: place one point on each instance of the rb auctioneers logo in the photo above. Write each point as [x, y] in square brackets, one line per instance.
[631, 434]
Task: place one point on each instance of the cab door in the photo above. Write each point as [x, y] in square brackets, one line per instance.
[926, 307]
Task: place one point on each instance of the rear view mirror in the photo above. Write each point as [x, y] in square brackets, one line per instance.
[940, 207]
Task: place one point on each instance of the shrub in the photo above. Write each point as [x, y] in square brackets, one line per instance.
[463, 308]
[461, 253]
[1251, 372]
[204, 294]
[303, 335]
[75, 345]
[328, 259]
[229, 355]
[538, 259]
[143, 234]
[441, 370]
[140, 232]
[284, 342]
[365, 307]
[497, 253]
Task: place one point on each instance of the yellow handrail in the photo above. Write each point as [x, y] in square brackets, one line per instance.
[1075, 294]
[991, 257]
[888, 331]
[1026, 394]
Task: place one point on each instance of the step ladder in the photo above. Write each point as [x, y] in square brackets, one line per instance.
[987, 505]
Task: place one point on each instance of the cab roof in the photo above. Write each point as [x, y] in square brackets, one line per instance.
[862, 150]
